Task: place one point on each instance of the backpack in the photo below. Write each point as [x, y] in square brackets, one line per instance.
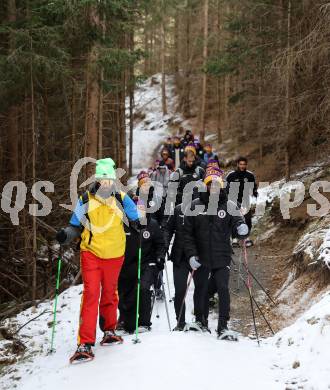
[85, 199]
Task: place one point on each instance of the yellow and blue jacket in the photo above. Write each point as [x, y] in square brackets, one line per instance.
[102, 221]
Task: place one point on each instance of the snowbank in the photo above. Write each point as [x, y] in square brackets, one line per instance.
[303, 349]
[324, 250]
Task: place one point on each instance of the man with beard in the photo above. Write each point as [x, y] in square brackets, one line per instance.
[207, 236]
[166, 159]
[241, 186]
[187, 172]
[177, 151]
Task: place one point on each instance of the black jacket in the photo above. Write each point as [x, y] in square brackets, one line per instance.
[181, 152]
[208, 236]
[185, 175]
[155, 202]
[175, 225]
[242, 177]
[152, 244]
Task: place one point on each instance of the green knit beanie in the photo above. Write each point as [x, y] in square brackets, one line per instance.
[105, 169]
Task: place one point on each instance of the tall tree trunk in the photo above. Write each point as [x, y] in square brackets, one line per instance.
[163, 49]
[288, 96]
[185, 100]
[45, 132]
[34, 156]
[176, 54]
[204, 79]
[131, 106]
[101, 98]
[73, 123]
[146, 62]
[93, 94]
[13, 137]
[122, 123]
[219, 97]
[260, 133]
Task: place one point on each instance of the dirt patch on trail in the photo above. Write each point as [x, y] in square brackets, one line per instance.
[270, 261]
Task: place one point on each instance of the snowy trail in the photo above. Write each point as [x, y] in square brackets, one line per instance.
[150, 126]
[295, 358]
[163, 360]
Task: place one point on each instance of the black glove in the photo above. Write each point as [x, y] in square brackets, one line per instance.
[136, 225]
[160, 264]
[61, 236]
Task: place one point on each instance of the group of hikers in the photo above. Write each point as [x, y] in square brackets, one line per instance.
[183, 209]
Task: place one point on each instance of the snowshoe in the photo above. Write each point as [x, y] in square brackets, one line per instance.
[144, 329]
[199, 327]
[83, 353]
[123, 332]
[160, 296]
[111, 338]
[228, 335]
[181, 328]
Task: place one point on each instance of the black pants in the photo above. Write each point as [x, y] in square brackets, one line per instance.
[212, 287]
[149, 278]
[221, 280]
[180, 274]
[127, 289]
[127, 297]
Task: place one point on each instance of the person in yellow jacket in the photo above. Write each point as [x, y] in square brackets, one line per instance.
[98, 219]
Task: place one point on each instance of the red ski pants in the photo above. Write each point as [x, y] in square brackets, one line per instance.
[100, 278]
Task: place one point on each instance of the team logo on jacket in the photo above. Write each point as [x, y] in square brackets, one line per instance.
[152, 203]
[222, 214]
[146, 234]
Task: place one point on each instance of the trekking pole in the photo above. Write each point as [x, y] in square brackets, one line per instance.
[166, 308]
[154, 300]
[59, 263]
[259, 308]
[239, 272]
[136, 340]
[168, 284]
[262, 287]
[185, 295]
[258, 283]
[249, 286]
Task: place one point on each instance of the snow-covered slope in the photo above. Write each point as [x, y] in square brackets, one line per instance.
[150, 126]
[170, 360]
[163, 360]
[303, 353]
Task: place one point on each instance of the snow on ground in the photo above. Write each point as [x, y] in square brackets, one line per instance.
[172, 360]
[268, 192]
[150, 126]
[303, 349]
[169, 360]
[163, 360]
[314, 243]
[324, 250]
